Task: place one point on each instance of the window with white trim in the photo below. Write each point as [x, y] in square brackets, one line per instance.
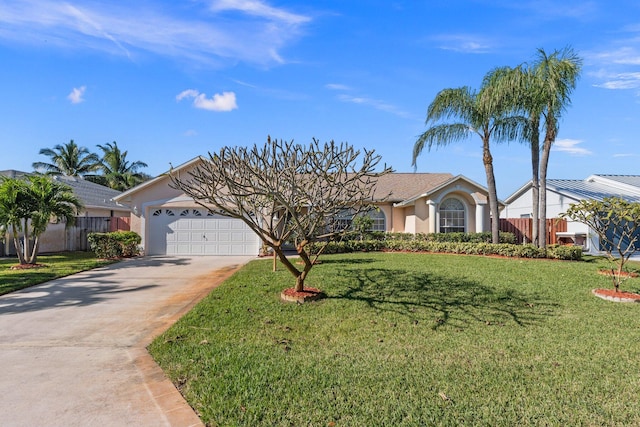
[344, 219]
[452, 216]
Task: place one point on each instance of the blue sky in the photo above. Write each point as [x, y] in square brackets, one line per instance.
[171, 80]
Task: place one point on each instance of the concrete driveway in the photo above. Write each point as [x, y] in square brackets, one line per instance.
[72, 351]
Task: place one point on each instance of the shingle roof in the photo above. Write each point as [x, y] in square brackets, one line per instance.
[12, 173]
[585, 189]
[403, 186]
[91, 194]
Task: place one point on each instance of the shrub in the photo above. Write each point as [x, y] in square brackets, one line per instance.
[118, 244]
[400, 243]
[573, 253]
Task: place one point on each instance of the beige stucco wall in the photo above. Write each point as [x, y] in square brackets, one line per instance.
[416, 218]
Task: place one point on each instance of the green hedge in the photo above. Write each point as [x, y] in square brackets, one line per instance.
[118, 244]
[474, 245]
[484, 237]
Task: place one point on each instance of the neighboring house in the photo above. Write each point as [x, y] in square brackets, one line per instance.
[97, 201]
[561, 193]
[171, 223]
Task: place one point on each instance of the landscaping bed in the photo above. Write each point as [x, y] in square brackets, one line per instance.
[410, 339]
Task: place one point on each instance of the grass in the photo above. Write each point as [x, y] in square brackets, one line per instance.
[411, 339]
[55, 265]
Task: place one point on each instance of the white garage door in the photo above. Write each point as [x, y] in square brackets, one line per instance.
[189, 231]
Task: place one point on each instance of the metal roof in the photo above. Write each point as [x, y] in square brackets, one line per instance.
[633, 180]
[584, 189]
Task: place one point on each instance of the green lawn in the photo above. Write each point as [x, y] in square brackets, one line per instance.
[55, 265]
[411, 339]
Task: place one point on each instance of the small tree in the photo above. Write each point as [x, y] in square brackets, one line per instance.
[616, 222]
[286, 192]
[28, 205]
[14, 210]
[49, 200]
[362, 224]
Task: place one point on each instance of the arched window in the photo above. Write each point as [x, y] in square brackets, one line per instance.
[452, 216]
[379, 220]
[345, 218]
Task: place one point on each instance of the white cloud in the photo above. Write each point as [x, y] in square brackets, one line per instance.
[337, 86]
[375, 103]
[570, 146]
[260, 9]
[464, 43]
[621, 81]
[191, 132]
[213, 33]
[77, 94]
[617, 67]
[226, 101]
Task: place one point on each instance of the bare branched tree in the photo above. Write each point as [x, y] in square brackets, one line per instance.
[286, 192]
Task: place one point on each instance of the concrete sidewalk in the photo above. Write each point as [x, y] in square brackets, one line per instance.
[72, 350]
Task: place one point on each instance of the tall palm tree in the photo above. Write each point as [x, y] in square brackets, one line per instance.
[516, 85]
[69, 160]
[117, 171]
[554, 79]
[482, 113]
[540, 91]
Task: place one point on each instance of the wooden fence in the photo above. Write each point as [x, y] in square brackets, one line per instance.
[59, 238]
[77, 234]
[521, 227]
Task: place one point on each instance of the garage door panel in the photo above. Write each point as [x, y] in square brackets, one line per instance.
[183, 231]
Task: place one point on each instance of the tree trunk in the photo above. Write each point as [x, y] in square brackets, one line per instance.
[493, 194]
[33, 259]
[25, 243]
[16, 243]
[535, 182]
[544, 164]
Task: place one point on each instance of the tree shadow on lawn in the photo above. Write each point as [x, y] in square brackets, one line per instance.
[68, 291]
[442, 300]
[347, 261]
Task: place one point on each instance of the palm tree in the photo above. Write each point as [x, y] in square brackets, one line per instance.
[118, 173]
[540, 91]
[516, 85]
[28, 205]
[483, 113]
[13, 209]
[554, 78]
[69, 160]
[49, 200]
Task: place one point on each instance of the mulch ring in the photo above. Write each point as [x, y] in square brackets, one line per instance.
[612, 295]
[27, 266]
[307, 295]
